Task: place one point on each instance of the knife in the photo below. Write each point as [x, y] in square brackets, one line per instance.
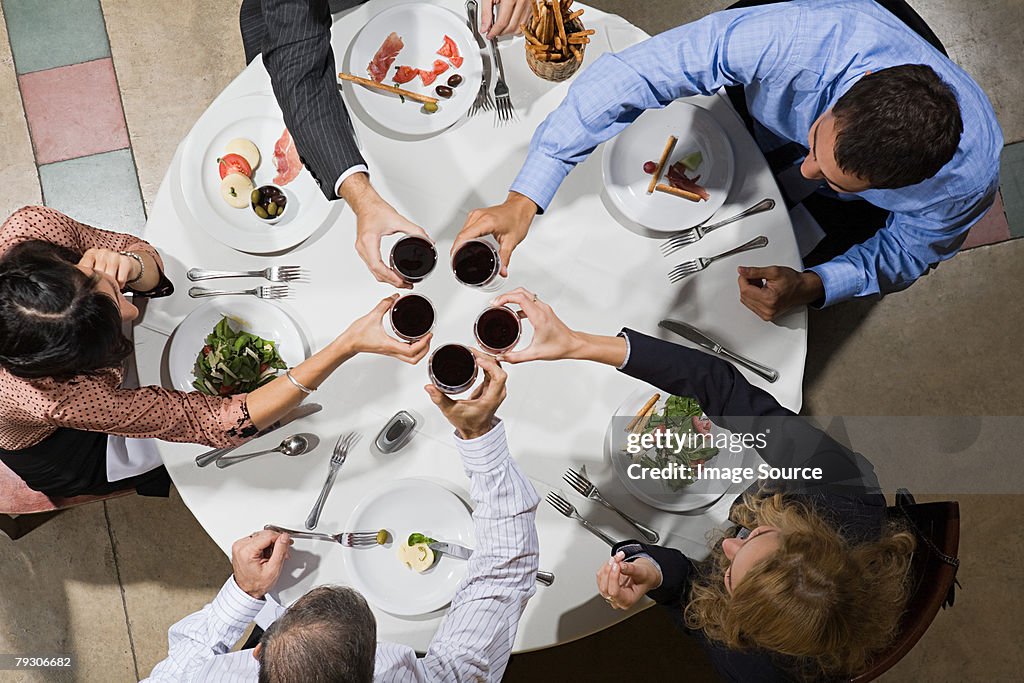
[204, 459]
[463, 553]
[699, 338]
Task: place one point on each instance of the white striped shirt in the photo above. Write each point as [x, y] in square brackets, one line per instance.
[475, 639]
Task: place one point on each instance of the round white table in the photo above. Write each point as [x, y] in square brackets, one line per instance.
[597, 276]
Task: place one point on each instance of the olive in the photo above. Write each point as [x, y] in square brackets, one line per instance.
[272, 209]
[455, 80]
[255, 197]
[261, 212]
[281, 201]
[443, 91]
[430, 107]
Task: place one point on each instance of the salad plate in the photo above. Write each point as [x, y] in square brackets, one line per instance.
[257, 118]
[422, 28]
[676, 495]
[404, 507]
[626, 181]
[256, 316]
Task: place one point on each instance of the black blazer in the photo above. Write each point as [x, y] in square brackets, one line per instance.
[295, 39]
[848, 495]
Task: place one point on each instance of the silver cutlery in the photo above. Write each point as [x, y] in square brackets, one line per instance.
[345, 442]
[691, 235]
[294, 445]
[464, 553]
[588, 489]
[483, 100]
[688, 268]
[271, 292]
[566, 509]
[697, 337]
[204, 459]
[273, 273]
[503, 102]
[349, 539]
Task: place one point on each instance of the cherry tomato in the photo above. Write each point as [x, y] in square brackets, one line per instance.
[234, 163]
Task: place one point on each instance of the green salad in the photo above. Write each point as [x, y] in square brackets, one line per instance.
[683, 417]
[235, 362]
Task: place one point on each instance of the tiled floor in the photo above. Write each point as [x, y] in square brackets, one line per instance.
[109, 92]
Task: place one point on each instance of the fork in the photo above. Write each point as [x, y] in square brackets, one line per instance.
[271, 292]
[345, 442]
[691, 235]
[273, 273]
[354, 539]
[566, 508]
[483, 100]
[588, 489]
[687, 268]
[503, 103]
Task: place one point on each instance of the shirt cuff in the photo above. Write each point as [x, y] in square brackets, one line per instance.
[234, 605]
[486, 452]
[358, 168]
[539, 179]
[629, 349]
[842, 281]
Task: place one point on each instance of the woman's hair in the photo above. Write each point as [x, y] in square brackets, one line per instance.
[824, 604]
[53, 323]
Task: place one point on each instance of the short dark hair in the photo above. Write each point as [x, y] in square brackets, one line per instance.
[328, 636]
[897, 126]
[53, 322]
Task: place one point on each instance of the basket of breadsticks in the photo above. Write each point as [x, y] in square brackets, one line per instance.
[555, 39]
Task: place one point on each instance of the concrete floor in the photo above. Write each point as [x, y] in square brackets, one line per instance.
[105, 581]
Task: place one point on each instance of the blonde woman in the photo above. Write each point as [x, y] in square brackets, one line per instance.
[812, 580]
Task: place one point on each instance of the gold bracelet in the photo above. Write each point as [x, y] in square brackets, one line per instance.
[298, 385]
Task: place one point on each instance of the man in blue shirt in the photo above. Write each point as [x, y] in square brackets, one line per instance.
[885, 117]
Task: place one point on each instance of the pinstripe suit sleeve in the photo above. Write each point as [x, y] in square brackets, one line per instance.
[298, 56]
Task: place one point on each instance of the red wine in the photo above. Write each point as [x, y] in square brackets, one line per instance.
[413, 258]
[452, 368]
[475, 263]
[412, 316]
[497, 329]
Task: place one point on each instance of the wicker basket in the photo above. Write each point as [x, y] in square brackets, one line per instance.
[557, 71]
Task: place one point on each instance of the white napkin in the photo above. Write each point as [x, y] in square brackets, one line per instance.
[129, 457]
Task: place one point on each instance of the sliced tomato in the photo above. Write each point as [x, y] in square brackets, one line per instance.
[234, 163]
[450, 50]
[440, 66]
[456, 61]
[427, 77]
[405, 74]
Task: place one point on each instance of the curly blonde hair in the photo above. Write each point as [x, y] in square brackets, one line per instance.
[826, 605]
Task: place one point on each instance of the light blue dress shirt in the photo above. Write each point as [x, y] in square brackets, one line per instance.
[795, 60]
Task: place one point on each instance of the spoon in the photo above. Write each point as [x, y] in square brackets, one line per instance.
[291, 446]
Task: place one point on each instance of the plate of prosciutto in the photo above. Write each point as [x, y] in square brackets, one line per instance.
[670, 169]
[236, 147]
[420, 48]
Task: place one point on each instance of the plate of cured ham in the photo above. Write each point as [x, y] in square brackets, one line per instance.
[220, 206]
[421, 48]
[669, 170]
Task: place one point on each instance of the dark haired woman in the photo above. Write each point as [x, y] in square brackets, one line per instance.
[813, 580]
[61, 351]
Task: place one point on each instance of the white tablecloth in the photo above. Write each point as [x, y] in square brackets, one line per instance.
[597, 275]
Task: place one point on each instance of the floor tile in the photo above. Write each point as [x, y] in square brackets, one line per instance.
[100, 190]
[1012, 181]
[169, 568]
[61, 595]
[21, 183]
[992, 227]
[145, 39]
[47, 34]
[74, 110]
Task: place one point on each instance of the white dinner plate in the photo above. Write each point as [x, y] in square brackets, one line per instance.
[258, 118]
[403, 507]
[253, 315]
[644, 140]
[422, 28]
[657, 493]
